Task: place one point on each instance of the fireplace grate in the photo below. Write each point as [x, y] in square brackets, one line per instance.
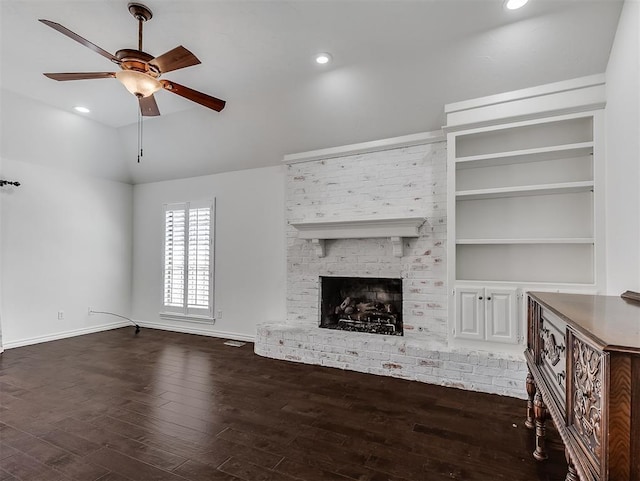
[372, 305]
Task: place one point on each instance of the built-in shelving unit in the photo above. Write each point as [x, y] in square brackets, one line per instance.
[525, 214]
[523, 204]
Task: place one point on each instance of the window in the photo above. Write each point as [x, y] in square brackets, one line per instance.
[188, 260]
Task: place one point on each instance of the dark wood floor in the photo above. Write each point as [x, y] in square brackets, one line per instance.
[114, 406]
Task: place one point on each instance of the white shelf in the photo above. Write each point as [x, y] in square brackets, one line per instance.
[587, 287]
[525, 155]
[567, 240]
[520, 191]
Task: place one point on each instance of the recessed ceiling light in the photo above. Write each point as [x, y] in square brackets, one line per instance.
[323, 58]
[515, 4]
[82, 110]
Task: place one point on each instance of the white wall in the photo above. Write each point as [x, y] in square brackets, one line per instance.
[65, 233]
[1, 268]
[250, 248]
[66, 245]
[623, 154]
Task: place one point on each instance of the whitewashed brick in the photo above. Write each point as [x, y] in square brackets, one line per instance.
[379, 356]
[447, 373]
[477, 379]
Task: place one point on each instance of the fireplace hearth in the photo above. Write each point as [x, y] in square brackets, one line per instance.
[361, 304]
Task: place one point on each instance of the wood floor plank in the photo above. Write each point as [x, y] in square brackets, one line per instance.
[5, 450]
[197, 471]
[76, 468]
[148, 454]
[115, 406]
[121, 443]
[308, 472]
[114, 477]
[129, 467]
[38, 449]
[4, 476]
[252, 472]
[27, 468]
[70, 442]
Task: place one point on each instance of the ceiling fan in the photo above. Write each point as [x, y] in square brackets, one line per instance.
[139, 71]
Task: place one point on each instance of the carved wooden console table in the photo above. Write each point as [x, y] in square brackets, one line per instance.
[583, 354]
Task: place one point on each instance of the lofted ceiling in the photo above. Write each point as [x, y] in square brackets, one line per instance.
[395, 64]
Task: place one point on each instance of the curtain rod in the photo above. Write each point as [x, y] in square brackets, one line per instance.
[9, 182]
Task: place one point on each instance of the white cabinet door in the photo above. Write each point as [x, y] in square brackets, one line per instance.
[501, 315]
[487, 314]
[470, 313]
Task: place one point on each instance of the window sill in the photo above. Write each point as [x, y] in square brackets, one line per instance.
[175, 316]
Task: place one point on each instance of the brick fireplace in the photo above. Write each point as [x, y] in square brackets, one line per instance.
[374, 213]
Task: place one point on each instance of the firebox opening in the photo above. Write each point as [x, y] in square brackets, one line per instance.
[362, 304]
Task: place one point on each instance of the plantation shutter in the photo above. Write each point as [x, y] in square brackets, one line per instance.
[199, 258]
[188, 259]
[174, 256]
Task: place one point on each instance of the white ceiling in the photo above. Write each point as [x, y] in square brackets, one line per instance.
[396, 63]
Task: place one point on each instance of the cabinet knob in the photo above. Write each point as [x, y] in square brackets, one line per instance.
[488, 298]
[480, 297]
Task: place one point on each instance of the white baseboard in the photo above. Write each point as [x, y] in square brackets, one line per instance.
[194, 330]
[64, 334]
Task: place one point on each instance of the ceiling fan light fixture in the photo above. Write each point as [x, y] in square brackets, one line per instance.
[138, 83]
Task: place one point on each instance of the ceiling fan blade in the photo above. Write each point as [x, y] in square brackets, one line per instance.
[193, 95]
[80, 75]
[79, 39]
[148, 106]
[175, 59]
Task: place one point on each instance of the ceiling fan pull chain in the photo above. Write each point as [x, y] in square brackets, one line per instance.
[139, 135]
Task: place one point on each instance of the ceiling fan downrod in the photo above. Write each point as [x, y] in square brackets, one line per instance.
[141, 13]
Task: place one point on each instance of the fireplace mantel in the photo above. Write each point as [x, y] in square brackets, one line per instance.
[395, 229]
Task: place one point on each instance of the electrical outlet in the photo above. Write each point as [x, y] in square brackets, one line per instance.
[60, 315]
[219, 315]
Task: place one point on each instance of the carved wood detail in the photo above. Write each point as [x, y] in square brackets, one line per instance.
[540, 413]
[532, 322]
[552, 350]
[531, 392]
[572, 474]
[588, 381]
